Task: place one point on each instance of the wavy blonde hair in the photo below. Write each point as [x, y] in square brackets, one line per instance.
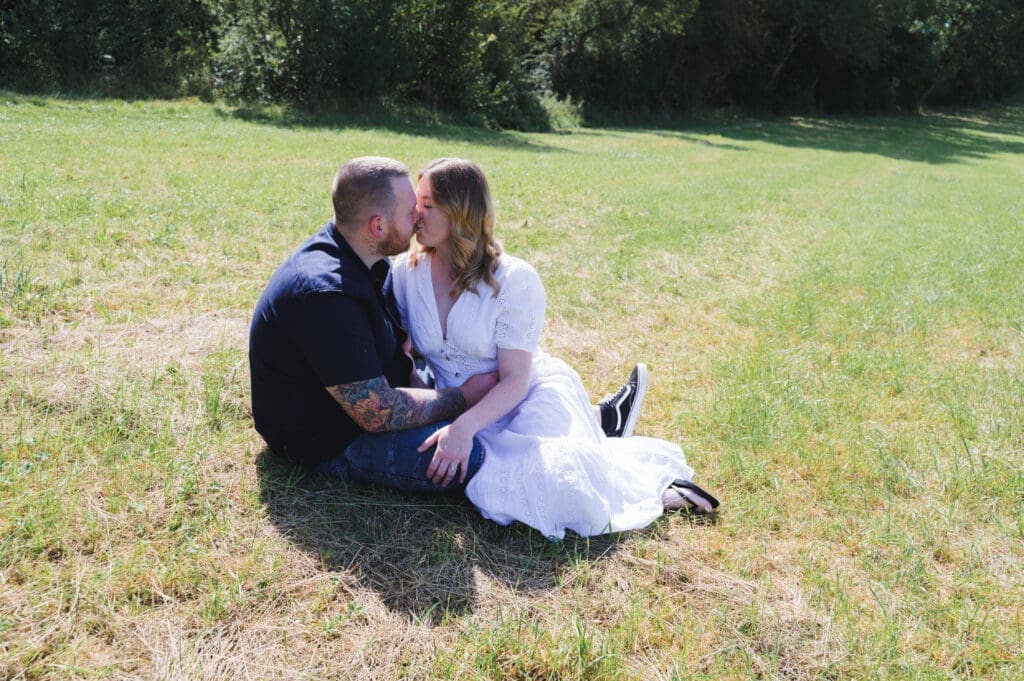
[460, 190]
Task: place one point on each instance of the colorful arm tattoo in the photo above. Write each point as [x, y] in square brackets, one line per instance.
[375, 406]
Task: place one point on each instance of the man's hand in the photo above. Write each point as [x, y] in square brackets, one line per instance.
[454, 445]
[477, 386]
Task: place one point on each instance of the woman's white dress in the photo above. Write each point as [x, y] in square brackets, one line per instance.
[547, 463]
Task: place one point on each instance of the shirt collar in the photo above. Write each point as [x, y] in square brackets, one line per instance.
[377, 274]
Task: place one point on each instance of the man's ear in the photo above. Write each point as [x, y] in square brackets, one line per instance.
[375, 225]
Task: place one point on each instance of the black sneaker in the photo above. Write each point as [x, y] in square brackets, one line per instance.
[620, 411]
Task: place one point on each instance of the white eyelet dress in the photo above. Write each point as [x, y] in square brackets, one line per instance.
[547, 463]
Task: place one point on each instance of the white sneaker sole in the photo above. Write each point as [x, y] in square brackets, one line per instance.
[638, 401]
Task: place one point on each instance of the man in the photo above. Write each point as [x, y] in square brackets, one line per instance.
[330, 378]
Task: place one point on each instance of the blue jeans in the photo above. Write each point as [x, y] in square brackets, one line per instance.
[390, 460]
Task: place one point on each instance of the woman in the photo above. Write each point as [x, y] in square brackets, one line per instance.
[471, 309]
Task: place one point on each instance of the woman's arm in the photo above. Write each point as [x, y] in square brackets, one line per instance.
[455, 442]
[513, 384]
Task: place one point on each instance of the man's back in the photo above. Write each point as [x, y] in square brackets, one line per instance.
[321, 321]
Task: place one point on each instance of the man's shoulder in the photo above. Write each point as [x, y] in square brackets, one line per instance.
[317, 265]
[323, 265]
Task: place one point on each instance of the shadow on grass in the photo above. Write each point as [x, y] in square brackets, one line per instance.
[413, 125]
[418, 552]
[936, 138]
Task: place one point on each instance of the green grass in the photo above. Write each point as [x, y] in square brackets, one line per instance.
[832, 309]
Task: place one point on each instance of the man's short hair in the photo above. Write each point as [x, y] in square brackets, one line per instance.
[362, 187]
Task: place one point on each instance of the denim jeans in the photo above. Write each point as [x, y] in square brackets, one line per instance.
[390, 460]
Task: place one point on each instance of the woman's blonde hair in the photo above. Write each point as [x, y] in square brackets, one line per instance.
[459, 189]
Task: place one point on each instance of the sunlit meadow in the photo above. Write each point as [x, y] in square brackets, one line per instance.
[831, 309]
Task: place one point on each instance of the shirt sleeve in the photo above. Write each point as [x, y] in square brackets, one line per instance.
[521, 305]
[335, 335]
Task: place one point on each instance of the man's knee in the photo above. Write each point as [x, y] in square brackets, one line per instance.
[393, 460]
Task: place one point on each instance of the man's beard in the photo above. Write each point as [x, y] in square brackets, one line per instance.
[393, 244]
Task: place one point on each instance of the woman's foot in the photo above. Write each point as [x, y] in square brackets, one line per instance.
[618, 413]
[683, 495]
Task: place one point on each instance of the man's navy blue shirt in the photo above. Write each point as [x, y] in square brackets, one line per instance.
[324, 319]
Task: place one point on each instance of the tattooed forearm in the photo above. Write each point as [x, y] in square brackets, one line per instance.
[376, 406]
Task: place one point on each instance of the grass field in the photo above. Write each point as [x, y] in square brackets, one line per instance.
[832, 311]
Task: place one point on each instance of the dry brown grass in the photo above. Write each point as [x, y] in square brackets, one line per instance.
[842, 368]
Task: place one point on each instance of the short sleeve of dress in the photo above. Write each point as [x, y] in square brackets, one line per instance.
[521, 303]
[398, 280]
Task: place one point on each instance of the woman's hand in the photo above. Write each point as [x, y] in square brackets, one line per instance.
[454, 445]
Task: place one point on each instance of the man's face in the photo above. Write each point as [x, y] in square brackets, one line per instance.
[398, 230]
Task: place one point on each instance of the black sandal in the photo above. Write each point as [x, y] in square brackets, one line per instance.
[689, 497]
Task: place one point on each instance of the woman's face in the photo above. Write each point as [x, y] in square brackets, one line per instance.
[434, 226]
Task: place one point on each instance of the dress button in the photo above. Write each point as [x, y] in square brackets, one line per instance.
[458, 375]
